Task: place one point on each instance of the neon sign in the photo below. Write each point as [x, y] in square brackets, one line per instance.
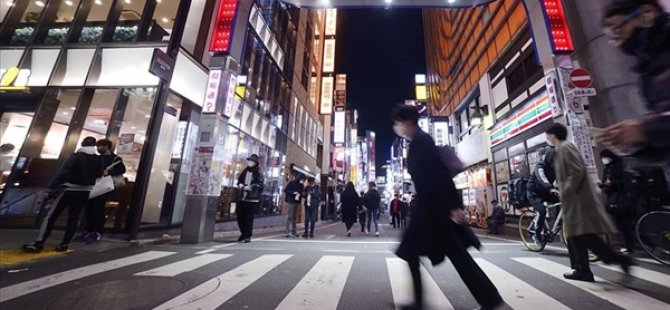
[559, 32]
[223, 27]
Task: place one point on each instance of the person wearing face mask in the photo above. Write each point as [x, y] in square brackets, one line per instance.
[541, 188]
[251, 185]
[437, 228]
[642, 29]
[617, 203]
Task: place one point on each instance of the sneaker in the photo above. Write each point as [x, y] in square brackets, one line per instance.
[367, 233]
[93, 238]
[376, 234]
[311, 235]
[34, 247]
[62, 247]
[288, 235]
[579, 276]
[305, 235]
[247, 240]
[349, 233]
[80, 238]
[625, 251]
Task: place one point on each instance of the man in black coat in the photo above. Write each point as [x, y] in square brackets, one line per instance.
[540, 189]
[372, 201]
[251, 184]
[437, 226]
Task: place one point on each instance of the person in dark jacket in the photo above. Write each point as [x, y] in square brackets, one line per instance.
[362, 212]
[293, 196]
[350, 203]
[312, 200]
[394, 210]
[437, 226]
[642, 29]
[612, 184]
[251, 183]
[75, 180]
[95, 210]
[372, 201]
[540, 188]
[497, 218]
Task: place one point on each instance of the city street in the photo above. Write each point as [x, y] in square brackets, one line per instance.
[331, 271]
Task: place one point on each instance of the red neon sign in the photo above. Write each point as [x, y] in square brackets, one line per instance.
[223, 26]
[559, 31]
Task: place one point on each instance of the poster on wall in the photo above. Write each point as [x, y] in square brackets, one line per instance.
[503, 198]
[473, 197]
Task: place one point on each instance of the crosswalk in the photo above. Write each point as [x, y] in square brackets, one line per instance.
[321, 283]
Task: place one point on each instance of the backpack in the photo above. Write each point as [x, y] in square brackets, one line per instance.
[450, 159]
[518, 197]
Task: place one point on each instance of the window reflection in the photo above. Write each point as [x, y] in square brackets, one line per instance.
[95, 21]
[25, 29]
[99, 114]
[133, 130]
[162, 21]
[53, 143]
[60, 27]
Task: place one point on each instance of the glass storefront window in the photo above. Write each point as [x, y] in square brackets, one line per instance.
[53, 143]
[13, 131]
[99, 114]
[95, 22]
[59, 28]
[230, 156]
[132, 133]
[24, 31]
[518, 166]
[162, 21]
[129, 21]
[533, 159]
[502, 172]
[4, 8]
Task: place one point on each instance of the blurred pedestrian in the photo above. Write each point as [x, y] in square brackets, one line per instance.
[394, 209]
[312, 201]
[350, 203]
[437, 227]
[404, 206]
[73, 183]
[362, 212]
[251, 182]
[293, 191]
[497, 218]
[584, 217]
[372, 201]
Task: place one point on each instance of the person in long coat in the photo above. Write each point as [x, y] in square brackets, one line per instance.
[438, 224]
[350, 202]
[584, 216]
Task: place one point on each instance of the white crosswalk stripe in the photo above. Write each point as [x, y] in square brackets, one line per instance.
[186, 265]
[213, 293]
[23, 288]
[616, 294]
[401, 286]
[321, 287]
[518, 294]
[642, 273]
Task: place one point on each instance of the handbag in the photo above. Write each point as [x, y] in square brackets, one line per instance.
[103, 185]
[119, 180]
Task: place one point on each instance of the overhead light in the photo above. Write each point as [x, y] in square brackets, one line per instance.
[66, 113]
[147, 116]
[451, 1]
[159, 1]
[133, 127]
[388, 1]
[165, 19]
[39, 3]
[69, 3]
[128, 1]
[9, 3]
[98, 2]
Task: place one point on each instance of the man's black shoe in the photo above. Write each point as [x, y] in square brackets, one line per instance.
[247, 240]
[62, 247]
[626, 263]
[579, 276]
[34, 247]
[240, 239]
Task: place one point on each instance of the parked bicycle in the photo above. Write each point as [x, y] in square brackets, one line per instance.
[653, 233]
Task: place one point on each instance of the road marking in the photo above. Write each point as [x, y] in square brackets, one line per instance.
[217, 291]
[518, 294]
[616, 294]
[401, 286]
[23, 288]
[643, 274]
[190, 264]
[329, 241]
[322, 286]
[649, 260]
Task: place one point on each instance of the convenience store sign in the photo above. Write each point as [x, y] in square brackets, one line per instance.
[536, 111]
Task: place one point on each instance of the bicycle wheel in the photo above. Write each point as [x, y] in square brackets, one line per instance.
[527, 230]
[653, 233]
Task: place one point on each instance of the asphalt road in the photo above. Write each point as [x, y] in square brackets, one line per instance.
[330, 271]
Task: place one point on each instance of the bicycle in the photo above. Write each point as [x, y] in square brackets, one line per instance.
[653, 233]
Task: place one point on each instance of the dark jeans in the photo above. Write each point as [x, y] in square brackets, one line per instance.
[395, 219]
[245, 218]
[74, 201]
[625, 217]
[95, 214]
[361, 218]
[310, 219]
[292, 218]
[579, 246]
[541, 210]
[373, 217]
[474, 278]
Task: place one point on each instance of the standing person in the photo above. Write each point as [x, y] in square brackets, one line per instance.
[95, 210]
[497, 218]
[350, 203]
[362, 212]
[373, 201]
[293, 191]
[540, 189]
[312, 201]
[404, 206]
[641, 28]
[584, 216]
[394, 209]
[612, 184]
[437, 227]
[76, 178]
[251, 182]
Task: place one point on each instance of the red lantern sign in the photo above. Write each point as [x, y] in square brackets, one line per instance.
[223, 26]
[559, 32]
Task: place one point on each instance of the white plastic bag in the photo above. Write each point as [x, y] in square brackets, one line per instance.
[102, 186]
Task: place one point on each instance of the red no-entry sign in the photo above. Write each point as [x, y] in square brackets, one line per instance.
[580, 78]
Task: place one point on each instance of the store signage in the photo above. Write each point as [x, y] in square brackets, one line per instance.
[339, 126]
[535, 111]
[331, 22]
[229, 94]
[14, 78]
[583, 92]
[557, 26]
[329, 56]
[421, 93]
[326, 95]
[223, 26]
[552, 85]
[441, 133]
[162, 65]
[212, 93]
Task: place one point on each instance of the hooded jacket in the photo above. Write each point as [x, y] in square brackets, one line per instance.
[79, 171]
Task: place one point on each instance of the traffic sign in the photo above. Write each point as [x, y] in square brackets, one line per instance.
[583, 92]
[580, 78]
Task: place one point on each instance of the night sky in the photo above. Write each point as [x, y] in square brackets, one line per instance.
[380, 51]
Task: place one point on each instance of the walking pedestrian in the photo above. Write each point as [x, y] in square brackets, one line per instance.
[372, 201]
[94, 212]
[404, 206]
[350, 203]
[584, 216]
[497, 218]
[394, 209]
[437, 227]
[312, 201]
[294, 191]
[612, 184]
[251, 182]
[75, 180]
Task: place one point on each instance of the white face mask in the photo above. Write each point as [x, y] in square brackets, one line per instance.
[251, 163]
[606, 161]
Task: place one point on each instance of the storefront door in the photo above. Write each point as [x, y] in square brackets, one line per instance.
[13, 133]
